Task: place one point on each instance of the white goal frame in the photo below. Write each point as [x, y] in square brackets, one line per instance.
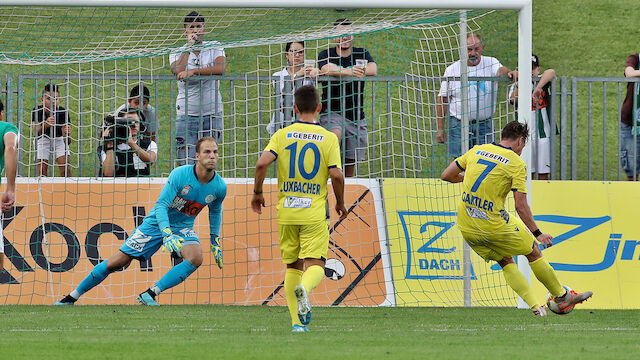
[524, 8]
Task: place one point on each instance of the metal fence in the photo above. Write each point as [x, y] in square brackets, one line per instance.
[400, 112]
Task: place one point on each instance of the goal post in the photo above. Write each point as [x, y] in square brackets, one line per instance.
[399, 245]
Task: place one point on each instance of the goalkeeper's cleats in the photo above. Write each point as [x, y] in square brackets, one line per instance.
[304, 306]
[570, 299]
[170, 241]
[299, 328]
[147, 298]
[217, 250]
[67, 300]
[541, 311]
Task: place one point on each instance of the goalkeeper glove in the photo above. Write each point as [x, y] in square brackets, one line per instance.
[216, 249]
[170, 241]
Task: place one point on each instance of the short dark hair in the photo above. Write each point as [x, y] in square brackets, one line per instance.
[515, 130]
[342, 21]
[203, 139]
[306, 99]
[47, 88]
[193, 17]
[135, 92]
[288, 46]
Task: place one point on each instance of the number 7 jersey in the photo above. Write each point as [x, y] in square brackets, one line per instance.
[305, 152]
[491, 171]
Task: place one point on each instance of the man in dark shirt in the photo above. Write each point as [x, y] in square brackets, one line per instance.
[51, 126]
[629, 159]
[130, 155]
[342, 97]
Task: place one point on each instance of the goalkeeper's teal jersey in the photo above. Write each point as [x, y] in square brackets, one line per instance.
[306, 152]
[181, 200]
[491, 171]
[5, 127]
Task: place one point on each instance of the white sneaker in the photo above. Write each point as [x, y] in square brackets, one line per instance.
[304, 306]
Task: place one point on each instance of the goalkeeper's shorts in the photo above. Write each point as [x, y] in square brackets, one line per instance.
[509, 240]
[309, 241]
[145, 241]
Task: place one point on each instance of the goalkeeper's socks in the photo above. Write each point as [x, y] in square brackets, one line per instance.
[176, 275]
[155, 290]
[95, 277]
[312, 277]
[291, 280]
[545, 274]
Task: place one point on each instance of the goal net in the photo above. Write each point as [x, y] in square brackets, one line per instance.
[66, 70]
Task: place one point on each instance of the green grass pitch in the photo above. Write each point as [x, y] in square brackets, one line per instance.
[256, 332]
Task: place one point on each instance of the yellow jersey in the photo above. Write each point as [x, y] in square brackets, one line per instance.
[491, 171]
[305, 152]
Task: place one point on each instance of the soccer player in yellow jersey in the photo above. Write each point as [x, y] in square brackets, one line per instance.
[488, 172]
[307, 156]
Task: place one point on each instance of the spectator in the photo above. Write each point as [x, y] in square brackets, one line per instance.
[296, 67]
[123, 153]
[151, 117]
[199, 103]
[541, 152]
[482, 97]
[51, 126]
[629, 159]
[350, 122]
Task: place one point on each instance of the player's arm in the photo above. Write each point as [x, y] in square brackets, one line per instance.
[524, 211]
[257, 201]
[11, 167]
[546, 78]
[215, 223]
[168, 193]
[453, 173]
[337, 181]
[631, 72]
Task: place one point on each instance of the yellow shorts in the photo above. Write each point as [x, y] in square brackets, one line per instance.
[304, 241]
[509, 240]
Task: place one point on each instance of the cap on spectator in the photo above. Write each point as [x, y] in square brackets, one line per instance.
[534, 60]
[135, 92]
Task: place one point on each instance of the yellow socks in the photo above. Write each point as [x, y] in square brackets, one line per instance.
[545, 274]
[519, 284]
[312, 277]
[292, 279]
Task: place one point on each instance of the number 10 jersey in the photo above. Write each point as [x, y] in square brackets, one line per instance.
[305, 152]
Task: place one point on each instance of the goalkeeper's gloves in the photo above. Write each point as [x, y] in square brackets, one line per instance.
[170, 241]
[216, 249]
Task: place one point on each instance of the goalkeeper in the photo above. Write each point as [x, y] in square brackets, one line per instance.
[188, 190]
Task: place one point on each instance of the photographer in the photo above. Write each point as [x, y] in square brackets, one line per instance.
[122, 152]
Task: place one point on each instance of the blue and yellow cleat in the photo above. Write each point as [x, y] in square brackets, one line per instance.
[304, 306]
[146, 299]
[299, 328]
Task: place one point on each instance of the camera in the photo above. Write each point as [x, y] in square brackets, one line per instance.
[119, 131]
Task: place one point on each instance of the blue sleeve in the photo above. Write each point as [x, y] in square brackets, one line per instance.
[215, 210]
[168, 193]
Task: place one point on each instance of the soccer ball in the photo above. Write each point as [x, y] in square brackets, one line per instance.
[553, 306]
[334, 269]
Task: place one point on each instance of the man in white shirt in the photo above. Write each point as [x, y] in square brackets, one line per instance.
[481, 97]
[199, 103]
